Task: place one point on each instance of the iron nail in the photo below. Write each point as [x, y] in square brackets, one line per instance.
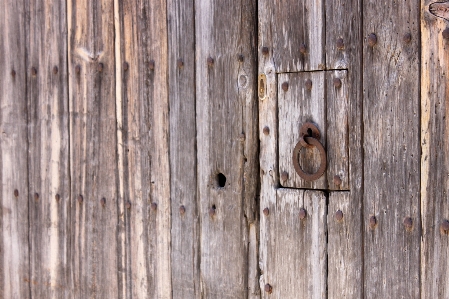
[57, 197]
[339, 215]
[55, 70]
[308, 84]
[182, 210]
[372, 40]
[128, 204]
[284, 176]
[285, 86]
[372, 222]
[408, 223]
[407, 38]
[33, 71]
[444, 227]
[241, 57]
[103, 202]
[210, 61]
[266, 211]
[302, 214]
[303, 48]
[446, 33]
[242, 137]
[13, 73]
[212, 211]
[100, 67]
[337, 82]
[36, 196]
[153, 206]
[337, 180]
[268, 288]
[265, 50]
[77, 69]
[180, 63]
[125, 66]
[340, 44]
[266, 130]
[16, 193]
[151, 64]
[80, 199]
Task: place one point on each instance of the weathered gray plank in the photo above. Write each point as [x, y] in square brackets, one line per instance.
[297, 248]
[296, 34]
[391, 149]
[96, 232]
[49, 184]
[185, 235]
[344, 246]
[14, 234]
[434, 144]
[143, 138]
[226, 118]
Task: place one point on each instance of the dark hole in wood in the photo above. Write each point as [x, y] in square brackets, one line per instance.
[221, 180]
[214, 207]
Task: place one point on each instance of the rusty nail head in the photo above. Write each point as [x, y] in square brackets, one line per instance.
[182, 210]
[125, 66]
[284, 176]
[100, 67]
[180, 63]
[285, 86]
[55, 70]
[266, 130]
[80, 198]
[210, 61]
[266, 211]
[340, 44]
[337, 180]
[103, 202]
[264, 50]
[151, 64]
[153, 206]
[339, 215]
[13, 73]
[212, 211]
[408, 223]
[308, 84]
[268, 288]
[372, 221]
[33, 71]
[303, 48]
[446, 33]
[407, 38]
[16, 193]
[77, 69]
[36, 196]
[128, 204]
[241, 57]
[57, 197]
[372, 40]
[302, 214]
[444, 227]
[337, 82]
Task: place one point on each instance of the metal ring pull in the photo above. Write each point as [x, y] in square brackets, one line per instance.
[309, 141]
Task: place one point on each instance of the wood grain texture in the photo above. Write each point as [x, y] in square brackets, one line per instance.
[226, 121]
[296, 34]
[434, 159]
[47, 95]
[391, 149]
[96, 263]
[143, 138]
[185, 235]
[297, 250]
[14, 224]
[344, 244]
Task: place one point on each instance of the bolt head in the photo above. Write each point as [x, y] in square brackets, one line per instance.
[444, 227]
[182, 210]
[266, 211]
[337, 82]
[446, 33]
[128, 204]
[151, 64]
[339, 215]
[308, 84]
[153, 206]
[210, 61]
[125, 66]
[303, 48]
[212, 212]
[242, 137]
[55, 70]
[57, 197]
[265, 50]
[33, 71]
[103, 202]
[16, 193]
[100, 67]
[372, 222]
[268, 288]
[266, 130]
[340, 44]
[180, 63]
[408, 223]
[285, 86]
[13, 73]
[407, 38]
[337, 180]
[302, 214]
[284, 176]
[77, 69]
[372, 40]
[36, 196]
[80, 199]
[241, 58]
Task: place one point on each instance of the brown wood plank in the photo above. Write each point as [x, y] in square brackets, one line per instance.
[391, 149]
[143, 138]
[434, 144]
[49, 184]
[14, 225]
[293, 32]
[96, 232]
[297, 250]
[185, 236]
[226, 121]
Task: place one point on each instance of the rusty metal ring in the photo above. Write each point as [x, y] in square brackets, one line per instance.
[307, 176]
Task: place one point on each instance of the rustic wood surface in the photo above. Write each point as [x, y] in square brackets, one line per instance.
[296, 34]
[96, 230]
[297, 249]
[226, 113]
[391, 146]
[48, 166]
[14, 218]
[434, 144]
[143, 138]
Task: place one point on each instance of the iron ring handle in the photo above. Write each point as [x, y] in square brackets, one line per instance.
[312, 142]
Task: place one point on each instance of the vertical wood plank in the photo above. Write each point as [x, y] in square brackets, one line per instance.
[183, 161]
[226, 118]
[14, 225]
[143, 137]
[296, 32]
[297, 251]
[391, 149]
[95, 234]
[49, 184]
[434, 144]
